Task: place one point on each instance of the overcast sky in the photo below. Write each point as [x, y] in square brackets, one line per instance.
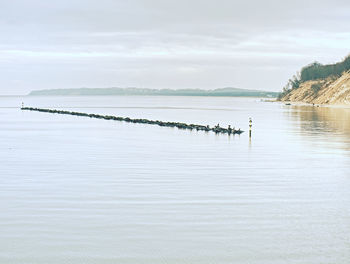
[166, 43]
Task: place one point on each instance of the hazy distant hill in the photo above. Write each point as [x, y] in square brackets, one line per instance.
[142, 91]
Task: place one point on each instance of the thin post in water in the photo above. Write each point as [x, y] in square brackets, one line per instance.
[250, 127]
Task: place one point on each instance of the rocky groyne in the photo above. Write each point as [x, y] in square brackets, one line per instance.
[217, 129]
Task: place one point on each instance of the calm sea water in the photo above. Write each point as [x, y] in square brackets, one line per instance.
[80, 190]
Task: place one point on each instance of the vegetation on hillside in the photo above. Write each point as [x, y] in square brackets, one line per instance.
[315, 71]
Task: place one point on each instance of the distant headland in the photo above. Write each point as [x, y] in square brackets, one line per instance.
[320, 84]
[145, 91]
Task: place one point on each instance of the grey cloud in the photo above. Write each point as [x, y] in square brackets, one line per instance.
[163, 43]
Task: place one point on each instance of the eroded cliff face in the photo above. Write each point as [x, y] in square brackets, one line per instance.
[334, 91]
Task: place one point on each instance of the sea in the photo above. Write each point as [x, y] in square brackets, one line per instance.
[87, 191]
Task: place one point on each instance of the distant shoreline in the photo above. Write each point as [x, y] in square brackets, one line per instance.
[134, 95]
[221, 92]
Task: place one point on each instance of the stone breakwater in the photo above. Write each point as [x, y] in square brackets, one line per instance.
[217, 129]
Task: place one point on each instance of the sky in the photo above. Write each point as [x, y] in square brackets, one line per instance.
[205, 44]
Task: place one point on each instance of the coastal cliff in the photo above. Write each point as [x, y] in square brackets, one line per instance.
[335, 91]
[320, 84]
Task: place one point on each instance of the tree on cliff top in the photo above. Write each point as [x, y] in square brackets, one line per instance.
[316, 71]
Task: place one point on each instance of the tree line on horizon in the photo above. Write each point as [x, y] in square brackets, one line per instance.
[315, 71]
[144, 91]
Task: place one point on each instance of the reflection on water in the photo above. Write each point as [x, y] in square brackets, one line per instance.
[324, 123]
[80, 190]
